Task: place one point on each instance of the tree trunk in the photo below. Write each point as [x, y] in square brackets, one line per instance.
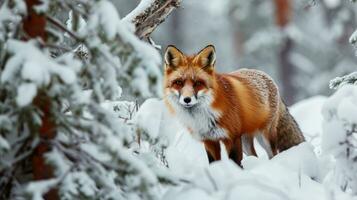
[287, 69]
[34, 26]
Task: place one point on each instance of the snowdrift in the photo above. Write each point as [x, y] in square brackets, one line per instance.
[298, 173]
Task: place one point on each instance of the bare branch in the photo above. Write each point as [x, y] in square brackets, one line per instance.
[147, 19]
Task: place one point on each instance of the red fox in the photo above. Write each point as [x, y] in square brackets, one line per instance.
[232, 108]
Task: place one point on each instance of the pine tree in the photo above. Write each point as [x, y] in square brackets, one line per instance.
[340, 129]
[56, 140]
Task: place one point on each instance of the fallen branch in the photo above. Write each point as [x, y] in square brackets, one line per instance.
[149, 14]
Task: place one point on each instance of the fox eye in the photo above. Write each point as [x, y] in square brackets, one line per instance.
[178, 82]
[198, 83]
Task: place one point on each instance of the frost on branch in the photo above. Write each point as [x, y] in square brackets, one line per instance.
[341, 81]
[340, 136]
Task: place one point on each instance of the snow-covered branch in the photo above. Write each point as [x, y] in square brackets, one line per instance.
[149, 14]
[338, 82]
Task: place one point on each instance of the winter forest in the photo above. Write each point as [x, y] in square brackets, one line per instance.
[82, 98]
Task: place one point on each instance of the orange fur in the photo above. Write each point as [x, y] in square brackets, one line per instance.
[245, 102]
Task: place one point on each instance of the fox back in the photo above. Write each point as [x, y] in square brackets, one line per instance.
[232, 107]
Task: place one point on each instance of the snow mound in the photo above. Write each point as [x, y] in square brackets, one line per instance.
[308, 115]
[339, 141]
[155, 120]
[339, 111]
[287, 176]
[182, 150]
[298, 173]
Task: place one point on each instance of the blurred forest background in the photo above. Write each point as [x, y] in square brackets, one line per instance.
[302, 44]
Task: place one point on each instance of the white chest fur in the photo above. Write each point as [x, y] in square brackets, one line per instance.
[202, 121]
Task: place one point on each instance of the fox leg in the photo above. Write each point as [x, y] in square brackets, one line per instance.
[236, 153]
[213, 150]
[272, 134]
[273, 140]
[248, 145]
[268, 140]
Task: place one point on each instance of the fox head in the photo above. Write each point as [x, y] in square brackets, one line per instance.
[189, 79]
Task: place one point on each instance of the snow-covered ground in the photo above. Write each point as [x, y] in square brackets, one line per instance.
[298, 173]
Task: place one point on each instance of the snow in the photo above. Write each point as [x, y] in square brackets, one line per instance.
[43, 6]
[154, 118]
[108, 18]
[144, 4]
[114, 165]
[274, 179]
[348, 108]
[11, 15]
[150, 57]
[189, 194]
[57, 159]
[4, 145]
[339, 111]
[339, 140]
[77, 183]
[183, 152]
[341, 81]
[36, 67]
[301, 159]
[35, 72]
[331, 4]
[94, 151]
[308, 114]
[69, 23]
[26, 93]
[140, 77]
[38, 188]
[147, 121]
[123, 110]
[298, 173]
[157, 122]
[353, 37]
[146, 75]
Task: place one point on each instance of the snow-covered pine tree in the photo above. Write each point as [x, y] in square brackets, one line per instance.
[340, 129]
[339, 137]
[56, 141]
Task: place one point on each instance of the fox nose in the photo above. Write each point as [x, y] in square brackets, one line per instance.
[187, 99]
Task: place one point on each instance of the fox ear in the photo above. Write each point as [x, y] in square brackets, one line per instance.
[173, 56]
[207, 57]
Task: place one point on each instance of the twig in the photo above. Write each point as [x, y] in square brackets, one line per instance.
[54, 46]
[79, 155]
[59, 25]
[152, 42]
[22, 157]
